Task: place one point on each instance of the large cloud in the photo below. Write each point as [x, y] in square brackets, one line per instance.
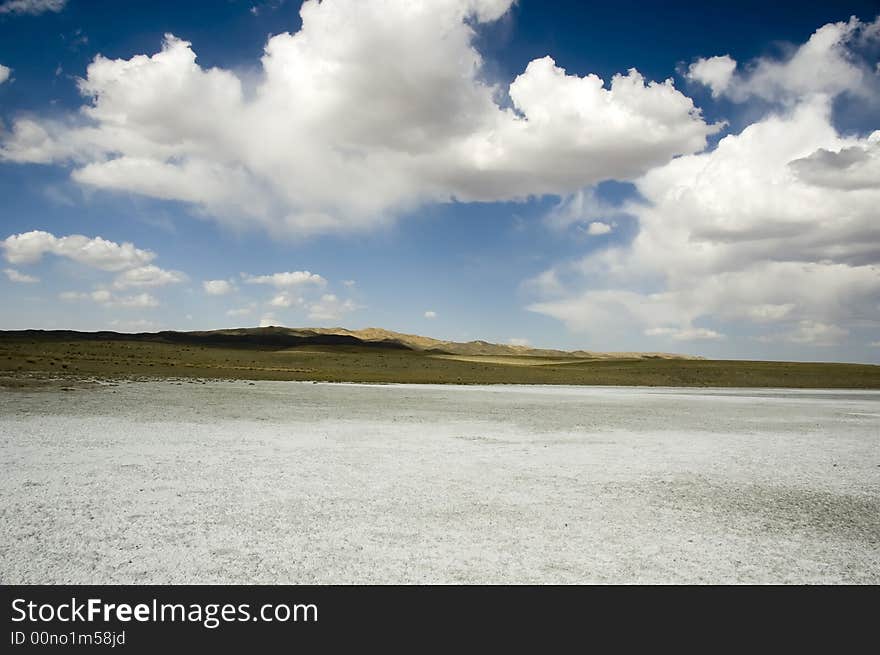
[370, 109]
[772, 233]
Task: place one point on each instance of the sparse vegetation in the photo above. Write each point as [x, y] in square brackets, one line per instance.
[120, 356]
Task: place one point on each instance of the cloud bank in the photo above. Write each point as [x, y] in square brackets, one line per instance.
[130, 264]
[773, 233]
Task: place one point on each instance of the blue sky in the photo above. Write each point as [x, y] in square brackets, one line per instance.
[435, 173]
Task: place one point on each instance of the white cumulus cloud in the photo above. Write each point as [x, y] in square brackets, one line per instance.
[737, 234]
[29, 247]
[217, 287]
[5, 72]
[287, 279]
[284, 300]
[371, 109]
[714, 72]
[147, 276]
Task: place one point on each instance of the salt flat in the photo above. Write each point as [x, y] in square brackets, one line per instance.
[281, 482]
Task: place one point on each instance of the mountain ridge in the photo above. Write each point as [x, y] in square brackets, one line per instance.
[382, 336]
[371, 337]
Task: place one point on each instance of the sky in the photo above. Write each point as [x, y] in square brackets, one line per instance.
[701, 178]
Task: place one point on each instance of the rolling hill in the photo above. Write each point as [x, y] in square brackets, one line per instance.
[388, 338]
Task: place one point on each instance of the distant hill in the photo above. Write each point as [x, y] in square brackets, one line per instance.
[282, 337]
[270, 337]
[479, 347]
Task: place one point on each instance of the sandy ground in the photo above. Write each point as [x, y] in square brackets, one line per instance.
[280, 482]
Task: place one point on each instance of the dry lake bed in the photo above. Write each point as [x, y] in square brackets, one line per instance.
[285, 482]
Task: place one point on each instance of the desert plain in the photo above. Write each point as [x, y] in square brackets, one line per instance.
[186, 480]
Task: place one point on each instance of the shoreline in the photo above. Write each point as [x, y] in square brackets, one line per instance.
[53, 382]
